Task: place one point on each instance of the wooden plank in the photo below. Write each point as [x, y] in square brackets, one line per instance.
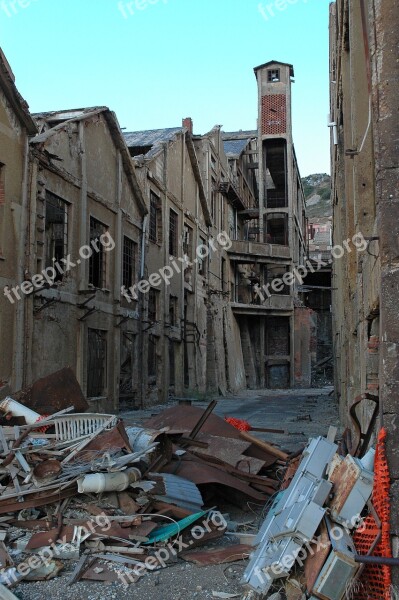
[264, 445]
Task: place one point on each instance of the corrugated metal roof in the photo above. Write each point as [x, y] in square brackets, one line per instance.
[150, 137]
[180, 491]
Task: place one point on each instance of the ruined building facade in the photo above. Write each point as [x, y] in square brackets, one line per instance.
[152, 262]
[365, 132]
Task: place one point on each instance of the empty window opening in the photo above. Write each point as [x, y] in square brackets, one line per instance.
[188, 242]
[153, 305]
[173, 233]
[277, 272]
[202, 265]
[152, 359]
[173, 307]
[172, 363]
[96, 362]
[97, 260]
[56, 226]
[273, 75]
[276, 229]
[275, 167]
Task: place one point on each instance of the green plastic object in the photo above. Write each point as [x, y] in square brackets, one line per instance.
[164, 533]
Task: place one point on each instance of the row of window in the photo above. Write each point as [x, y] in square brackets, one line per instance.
[56, 229]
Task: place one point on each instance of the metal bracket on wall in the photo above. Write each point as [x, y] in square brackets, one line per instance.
[123, 320]
[38, 309]
[88, 313]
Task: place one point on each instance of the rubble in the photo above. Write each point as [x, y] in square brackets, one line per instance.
[83, 487]
[119, 500]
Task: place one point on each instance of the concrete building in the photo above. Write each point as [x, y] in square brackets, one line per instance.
[16, 125]
[284, 323]
[175, 318]
[84, 218]
[365, 131]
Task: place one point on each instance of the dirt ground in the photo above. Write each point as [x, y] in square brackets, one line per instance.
[302, 413]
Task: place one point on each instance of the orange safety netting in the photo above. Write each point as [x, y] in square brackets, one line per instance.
[238, 423]
[375, 580]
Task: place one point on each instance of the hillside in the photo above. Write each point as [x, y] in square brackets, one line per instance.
[317, 195]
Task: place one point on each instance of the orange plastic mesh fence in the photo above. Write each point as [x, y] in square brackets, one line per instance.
[375, 580]
[238, 423]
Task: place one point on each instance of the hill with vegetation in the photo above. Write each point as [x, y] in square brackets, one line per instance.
[317, 190]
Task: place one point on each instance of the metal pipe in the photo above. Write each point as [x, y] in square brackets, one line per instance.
[377, 560]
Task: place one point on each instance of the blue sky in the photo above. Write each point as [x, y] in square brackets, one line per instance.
[172, 59]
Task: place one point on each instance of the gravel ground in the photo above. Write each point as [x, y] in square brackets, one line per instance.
[304, 413]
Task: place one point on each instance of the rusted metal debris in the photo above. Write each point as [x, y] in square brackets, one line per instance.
[150, 484]
[54, 393]
[218, 556]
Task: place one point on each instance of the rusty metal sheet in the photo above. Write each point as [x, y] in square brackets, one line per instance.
[184, 418]
[227, 449]
[114, 438]
[217, 556]
[344, 478]
[53, 393]
[314, 563]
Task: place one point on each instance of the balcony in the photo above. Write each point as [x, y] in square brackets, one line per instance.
[241, 250]
[276, 304]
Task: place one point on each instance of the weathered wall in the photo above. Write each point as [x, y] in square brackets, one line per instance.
[364, 65]
[15, 125]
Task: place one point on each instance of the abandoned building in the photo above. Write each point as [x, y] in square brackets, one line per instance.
[158, 263]
[16, 127]
[364, 150]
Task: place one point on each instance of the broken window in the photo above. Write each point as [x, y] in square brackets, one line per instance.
[172, 363]
[128, 262]
[96, 362]
[188, 242]
[201, 259]
[152, 359]
[97, 259]
[173, 310]
[173, 233]
[56, 227]
[276, 228]
[153, 305]
[273, 75]
[277, 272]
[155, 227]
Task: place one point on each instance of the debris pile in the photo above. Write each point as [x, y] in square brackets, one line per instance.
[317, 539]
[116, 499]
